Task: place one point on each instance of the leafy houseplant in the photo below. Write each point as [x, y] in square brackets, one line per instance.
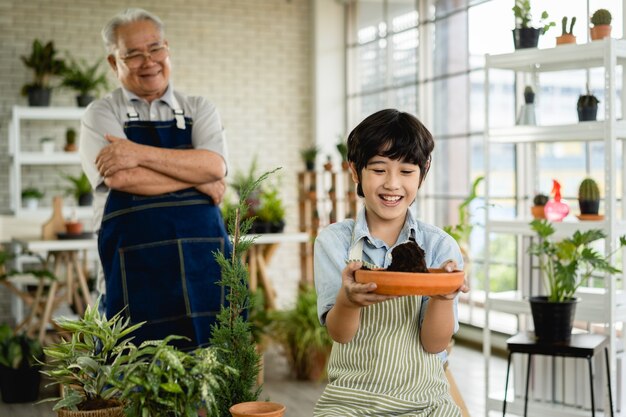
[80, 189]
[43, 62]
[308, 156]
[601, 21]
[272, 211]
[31, 197]
[589, 197]
[587, 106]
[566, 36]
[85, 79]
[86, 365]
[19, 366]
[565, 265]
[342, 147]
[162, 381]
[305, 341]
[525, 35]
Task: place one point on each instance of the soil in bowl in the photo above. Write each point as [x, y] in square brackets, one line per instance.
[407, 274]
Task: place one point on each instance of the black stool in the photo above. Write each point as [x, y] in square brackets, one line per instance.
[581, 346]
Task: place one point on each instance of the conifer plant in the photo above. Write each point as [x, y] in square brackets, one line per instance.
[232, 334]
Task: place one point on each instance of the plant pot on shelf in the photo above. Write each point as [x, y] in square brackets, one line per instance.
[39, 97]
[589, 206]
[85, 199]
[553, 320]
[83, 100]
[526, 37]
[565, 39]
[257, 408]
[538, 212]
[600, 32]
[587, 114]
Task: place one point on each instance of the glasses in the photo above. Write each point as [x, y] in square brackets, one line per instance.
[136, 59]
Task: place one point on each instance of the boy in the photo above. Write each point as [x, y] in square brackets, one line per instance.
[388, 354]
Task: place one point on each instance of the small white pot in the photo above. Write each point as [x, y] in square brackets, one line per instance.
[47, 147]
[31, 203]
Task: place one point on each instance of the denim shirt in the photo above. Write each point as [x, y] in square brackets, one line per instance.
[334, 242]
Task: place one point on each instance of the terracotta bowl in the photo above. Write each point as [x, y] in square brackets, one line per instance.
[257, 408]
[437, 282]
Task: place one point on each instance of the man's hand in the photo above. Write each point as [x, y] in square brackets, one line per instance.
[214, 189]
[120, 154]
[359, 295]
[451, 266]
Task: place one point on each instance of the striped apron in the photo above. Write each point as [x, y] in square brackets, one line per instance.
[157, 252]
[384, 371]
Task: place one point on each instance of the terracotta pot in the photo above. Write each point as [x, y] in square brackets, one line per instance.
[565, 39]
[437, 281]
[600, 32]
[257, 408]
[74, 228]
[538, 212]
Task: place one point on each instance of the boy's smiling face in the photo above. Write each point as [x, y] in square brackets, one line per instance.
[389, 186]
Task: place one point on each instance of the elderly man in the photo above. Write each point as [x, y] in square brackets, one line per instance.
[156, 160]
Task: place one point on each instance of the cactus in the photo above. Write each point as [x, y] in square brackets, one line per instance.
[70, 136]
[564, 26]
[601, 17]
[588, 190]
[540, 200]
[529, 95]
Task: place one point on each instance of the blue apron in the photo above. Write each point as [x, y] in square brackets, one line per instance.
[157, 252]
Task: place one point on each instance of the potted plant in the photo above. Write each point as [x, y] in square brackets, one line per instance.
[566, 36]
[328, 166]
[162, 381]
[87, 365]
[587, 106]
[19, 366]
[527, 111]
[565, 265]
[232, 334]
[601, 21]
[85, 79]
[308, 156]
[272, 211]
[306, 343]
[43, 62]
[80, 189]
[342, 147]
[47, 145]
[539, 205]
[70, 140]
[31, 197]
[524, 35]
[589, 197]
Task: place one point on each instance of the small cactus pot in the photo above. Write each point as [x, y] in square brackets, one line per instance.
[600, 32]
[538, 212]
[589, 206]
[565, 39]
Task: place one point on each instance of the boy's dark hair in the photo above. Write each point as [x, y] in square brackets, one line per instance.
[392, 134]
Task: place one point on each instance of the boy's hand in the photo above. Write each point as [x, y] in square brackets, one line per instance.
[450, 266]
[356, 294]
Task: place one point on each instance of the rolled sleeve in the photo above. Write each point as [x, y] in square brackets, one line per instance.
[331, 249]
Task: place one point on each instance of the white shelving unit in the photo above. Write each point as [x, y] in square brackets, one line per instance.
[20, 158]
[606, 306]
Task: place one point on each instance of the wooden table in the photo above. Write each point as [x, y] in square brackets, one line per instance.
[49, 294]
[259, 257]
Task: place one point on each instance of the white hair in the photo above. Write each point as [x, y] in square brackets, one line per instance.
[109, 31]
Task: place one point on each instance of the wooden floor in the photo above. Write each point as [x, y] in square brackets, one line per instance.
[299, 397]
